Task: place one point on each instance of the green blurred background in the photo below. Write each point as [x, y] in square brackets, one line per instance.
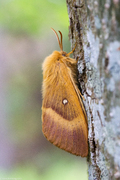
[25, 40]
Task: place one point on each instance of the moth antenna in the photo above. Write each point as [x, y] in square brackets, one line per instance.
[57, 39]
[61, 40]
[72, 50]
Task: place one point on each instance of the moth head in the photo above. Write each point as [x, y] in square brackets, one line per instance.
[63, 53]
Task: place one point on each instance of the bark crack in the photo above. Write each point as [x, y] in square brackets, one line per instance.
[97, 171]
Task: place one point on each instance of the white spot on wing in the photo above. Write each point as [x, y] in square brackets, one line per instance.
[65, 101]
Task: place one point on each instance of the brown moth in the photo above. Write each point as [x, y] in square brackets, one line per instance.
[64, 120]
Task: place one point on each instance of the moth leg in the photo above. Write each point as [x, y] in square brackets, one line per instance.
[77, 59]
[72, 50]
[72, 61]
[81, 94]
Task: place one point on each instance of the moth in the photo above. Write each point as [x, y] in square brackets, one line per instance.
[64, 120]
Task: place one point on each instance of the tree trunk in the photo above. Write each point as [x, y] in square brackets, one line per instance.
[95, 27]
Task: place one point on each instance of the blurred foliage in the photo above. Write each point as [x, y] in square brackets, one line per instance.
[59, 168]
[29, 17]
[26, 39]
[25, 97]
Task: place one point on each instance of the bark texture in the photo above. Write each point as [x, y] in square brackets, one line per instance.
[95, 27]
